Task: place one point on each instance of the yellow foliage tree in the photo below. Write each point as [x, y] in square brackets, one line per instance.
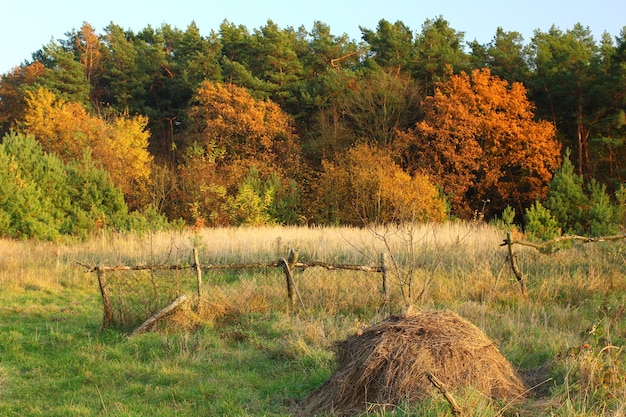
[62, 128]
[122, 151]
[118, 145]
[365, 186]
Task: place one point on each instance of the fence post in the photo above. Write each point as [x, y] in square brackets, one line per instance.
[106, 301]
[293, 258]
[292, 290]
[289, 278]
[383, 271]
[514, 265]
[198, 271]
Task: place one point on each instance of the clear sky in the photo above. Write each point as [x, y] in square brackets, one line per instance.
[27, 25]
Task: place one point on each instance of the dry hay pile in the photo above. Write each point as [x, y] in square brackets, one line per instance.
[394, 361]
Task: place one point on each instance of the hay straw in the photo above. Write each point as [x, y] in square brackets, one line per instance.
[390, 362]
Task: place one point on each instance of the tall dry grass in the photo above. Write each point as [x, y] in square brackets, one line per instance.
[455, 266]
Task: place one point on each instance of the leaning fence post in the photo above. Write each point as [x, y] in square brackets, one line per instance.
[514, 265]
[198, 271]
[289, 278]
[383, 271]
[106, 300]
[291, 284]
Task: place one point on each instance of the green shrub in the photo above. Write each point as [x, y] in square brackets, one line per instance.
[540, 223]
[567, 201]
[507, 221]
[603, 215]
[43, 198]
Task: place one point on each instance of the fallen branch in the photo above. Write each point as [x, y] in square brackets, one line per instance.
[583, 239]
[159, 314]
[456, 409]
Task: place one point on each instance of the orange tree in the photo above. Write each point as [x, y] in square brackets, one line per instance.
[480, 143]
[12, 86]
[245, 127]
[231, 135]
[364, 186]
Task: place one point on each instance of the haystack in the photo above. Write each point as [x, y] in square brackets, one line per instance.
[395, 360]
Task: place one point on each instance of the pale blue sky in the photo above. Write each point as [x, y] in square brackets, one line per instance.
[26, 25]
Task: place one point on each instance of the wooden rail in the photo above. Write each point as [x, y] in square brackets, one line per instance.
[288, 265]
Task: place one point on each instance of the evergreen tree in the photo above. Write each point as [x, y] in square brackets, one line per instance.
[566, 198]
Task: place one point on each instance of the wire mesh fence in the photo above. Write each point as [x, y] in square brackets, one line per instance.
[130, 296]
[133, 294]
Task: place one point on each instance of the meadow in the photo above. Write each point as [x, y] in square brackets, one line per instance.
[242, 350]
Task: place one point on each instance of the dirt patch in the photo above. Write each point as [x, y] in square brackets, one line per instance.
[395, 360]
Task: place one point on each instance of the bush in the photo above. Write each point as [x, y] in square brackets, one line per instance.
[540, 223]
[603, 216]
[43, 198]
[567, 201]
[507, 221]
[365, 186]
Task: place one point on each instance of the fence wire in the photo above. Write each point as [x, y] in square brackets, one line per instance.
[135, 295]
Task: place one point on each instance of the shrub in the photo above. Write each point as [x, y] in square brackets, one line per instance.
[365, 186]
[44, 198]
[540, 223]
[603, 215]
[507, 221]
[567, 201]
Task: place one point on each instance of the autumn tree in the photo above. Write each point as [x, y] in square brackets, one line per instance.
[89, 50]
[12, 93]
[61, 127]
[479, 141]
[231, 135]
[118, 144]
[250, 131]
[365, 186]
[199, 192]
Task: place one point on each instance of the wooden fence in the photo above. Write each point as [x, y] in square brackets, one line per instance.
[546, 247]
[170, 297]
[176, 299]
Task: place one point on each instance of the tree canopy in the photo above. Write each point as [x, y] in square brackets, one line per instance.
[241, 126]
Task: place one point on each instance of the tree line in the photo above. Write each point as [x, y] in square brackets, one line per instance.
[292, 126]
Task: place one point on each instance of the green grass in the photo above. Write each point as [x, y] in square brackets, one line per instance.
[249, 354]
[56, 361]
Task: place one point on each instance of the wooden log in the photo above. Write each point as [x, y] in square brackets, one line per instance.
[273, 264]
[291, 284]
[159, 315]
[545, 245]
[289, 279]
[293, 258]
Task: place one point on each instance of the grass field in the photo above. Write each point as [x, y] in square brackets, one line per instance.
[246, 352]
